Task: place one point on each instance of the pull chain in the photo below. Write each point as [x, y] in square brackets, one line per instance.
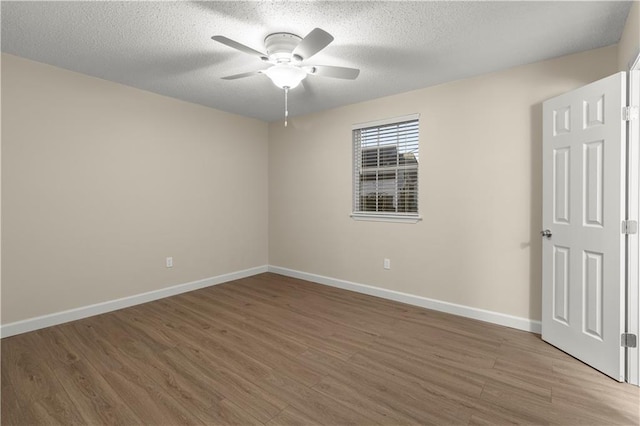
[286, 106]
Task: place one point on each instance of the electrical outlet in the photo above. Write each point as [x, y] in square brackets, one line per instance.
[387, 264]
[169, 262]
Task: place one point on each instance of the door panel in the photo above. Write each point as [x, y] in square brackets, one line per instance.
[592, 188]
[592, 301]
[561, 185]
[561, 284]
[583, 206]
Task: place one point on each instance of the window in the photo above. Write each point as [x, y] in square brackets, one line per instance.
[385, 173]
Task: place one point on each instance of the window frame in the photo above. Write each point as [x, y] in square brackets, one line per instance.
[357, 148]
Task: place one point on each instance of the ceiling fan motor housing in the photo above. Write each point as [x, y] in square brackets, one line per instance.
[280, 47]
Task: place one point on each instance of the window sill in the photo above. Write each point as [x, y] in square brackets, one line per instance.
[385, 218]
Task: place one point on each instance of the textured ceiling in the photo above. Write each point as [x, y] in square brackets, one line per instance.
[166, 47]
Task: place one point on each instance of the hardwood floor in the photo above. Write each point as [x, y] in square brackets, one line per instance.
[275, 350]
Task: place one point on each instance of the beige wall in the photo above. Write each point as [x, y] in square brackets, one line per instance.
[100, 182]
[480, 189]
[629, 46]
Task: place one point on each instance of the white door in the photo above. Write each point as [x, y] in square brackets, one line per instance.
[583, 197]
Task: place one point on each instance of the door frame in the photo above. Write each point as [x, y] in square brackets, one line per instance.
[633, 213]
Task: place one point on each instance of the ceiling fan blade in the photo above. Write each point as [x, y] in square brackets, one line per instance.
[333, 72]
[239, 46]
[242, 75]
[314, 42]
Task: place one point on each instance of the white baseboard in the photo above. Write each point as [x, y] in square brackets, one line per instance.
[424, 302]
[49, 320]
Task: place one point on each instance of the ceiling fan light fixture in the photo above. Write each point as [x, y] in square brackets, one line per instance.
[284, 75]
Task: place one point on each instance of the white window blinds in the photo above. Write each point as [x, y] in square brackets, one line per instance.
[385, 179]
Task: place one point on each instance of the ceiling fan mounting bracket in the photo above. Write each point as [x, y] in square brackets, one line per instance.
[280, 45]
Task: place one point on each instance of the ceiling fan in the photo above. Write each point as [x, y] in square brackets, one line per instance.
[287, 52]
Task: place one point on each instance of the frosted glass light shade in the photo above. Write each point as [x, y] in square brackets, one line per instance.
[284, 75]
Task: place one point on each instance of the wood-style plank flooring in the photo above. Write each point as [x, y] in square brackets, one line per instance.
[275, 350]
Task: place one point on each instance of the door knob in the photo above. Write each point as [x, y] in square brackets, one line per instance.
[546, 233]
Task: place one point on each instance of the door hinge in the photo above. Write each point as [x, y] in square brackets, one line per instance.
[628, 340]
[630, 113]
[629, 227]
